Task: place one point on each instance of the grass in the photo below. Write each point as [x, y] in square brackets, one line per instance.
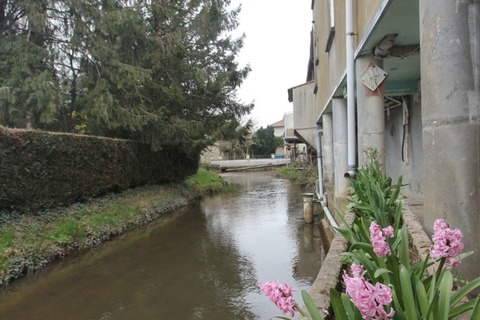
[205, 181]
[6, 239]
[65, 231]
[29, 242]
[305, 177]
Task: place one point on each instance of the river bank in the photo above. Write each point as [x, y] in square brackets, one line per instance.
[303, 176]
[29, 242]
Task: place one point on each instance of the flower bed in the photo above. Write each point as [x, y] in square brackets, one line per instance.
[329, 276]
[382, 265]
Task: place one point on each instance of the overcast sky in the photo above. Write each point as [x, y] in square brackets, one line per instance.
[277, 48]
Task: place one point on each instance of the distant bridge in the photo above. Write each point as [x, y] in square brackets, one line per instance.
[247, 164]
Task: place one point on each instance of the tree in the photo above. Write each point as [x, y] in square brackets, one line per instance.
[264, 141]
[240, 142]
[29, 90]
[160, 71]
[169, 75]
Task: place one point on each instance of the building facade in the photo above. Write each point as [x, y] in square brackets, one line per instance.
[401, 77]
[279, 131]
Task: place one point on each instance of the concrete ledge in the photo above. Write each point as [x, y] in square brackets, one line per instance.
[329, 274]
[420, 240]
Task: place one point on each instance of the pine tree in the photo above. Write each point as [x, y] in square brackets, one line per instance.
[160, 71]
[170, 79]
[28, 87]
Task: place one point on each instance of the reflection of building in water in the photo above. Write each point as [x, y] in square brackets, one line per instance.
[314, 247]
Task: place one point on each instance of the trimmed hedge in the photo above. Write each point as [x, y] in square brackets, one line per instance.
[40, 170]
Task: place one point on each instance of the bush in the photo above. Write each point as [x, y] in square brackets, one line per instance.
[41, 170]
[305, 177]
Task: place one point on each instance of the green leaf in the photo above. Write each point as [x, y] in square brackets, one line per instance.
[445, 289]
[476, 311]
[380, 210]
[381, 271]
[465, 254]
[432, 288]
[363, 227]
[420, 267]
[422, 298]
[464, 291]
[311, 307]
[347, 234]
[393, 265]
[398, 216]
[363, 246]
[397, 306]
[454, 312]
[404, 251]
[368, 263]
[407, 294]
[395, 244]
[337, 305]
[396, 191]
[360, 257]
[350, 308]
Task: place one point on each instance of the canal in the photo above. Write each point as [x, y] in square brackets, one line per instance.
[204, 262]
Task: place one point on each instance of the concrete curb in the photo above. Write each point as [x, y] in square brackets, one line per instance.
[329, 274]
[420, 241]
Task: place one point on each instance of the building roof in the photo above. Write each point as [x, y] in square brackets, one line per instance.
[278, 124]
[290, 90]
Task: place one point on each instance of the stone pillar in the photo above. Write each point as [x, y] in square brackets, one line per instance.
[308, 207]
[340, 148]
[450, 58]
[370, 113]
[327, 145]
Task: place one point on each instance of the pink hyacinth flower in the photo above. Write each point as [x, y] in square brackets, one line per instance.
[377, 237]
[356, 269]
[388, 231]
[281, 295]
[447, 243]
[368, 298]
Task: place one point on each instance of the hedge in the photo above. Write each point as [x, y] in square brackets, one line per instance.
[41, 170]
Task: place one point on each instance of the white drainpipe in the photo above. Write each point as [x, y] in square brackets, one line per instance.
[319, 164]
[351, 136]
[319, 191]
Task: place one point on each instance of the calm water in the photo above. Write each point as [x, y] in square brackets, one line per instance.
[204, 263]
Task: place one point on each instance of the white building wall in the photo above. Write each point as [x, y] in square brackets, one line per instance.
[405, 139]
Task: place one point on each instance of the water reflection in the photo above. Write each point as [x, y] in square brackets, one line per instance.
[205, 263]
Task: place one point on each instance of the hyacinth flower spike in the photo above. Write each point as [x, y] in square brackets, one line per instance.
[281, 295]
